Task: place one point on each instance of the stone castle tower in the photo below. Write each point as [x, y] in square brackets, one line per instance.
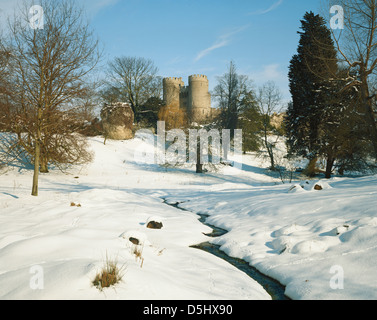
[195, 98]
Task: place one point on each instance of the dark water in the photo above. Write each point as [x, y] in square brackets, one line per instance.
[273, 287]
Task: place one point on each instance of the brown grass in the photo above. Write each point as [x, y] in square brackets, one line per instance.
[109, 276]
[138, 252]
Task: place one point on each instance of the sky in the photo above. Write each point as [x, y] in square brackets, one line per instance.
[185, 37]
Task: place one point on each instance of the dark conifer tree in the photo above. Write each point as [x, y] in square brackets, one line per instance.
[311, 75]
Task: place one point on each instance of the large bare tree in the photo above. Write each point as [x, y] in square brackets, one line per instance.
[50, 72]
[133, 80]
[357, 46]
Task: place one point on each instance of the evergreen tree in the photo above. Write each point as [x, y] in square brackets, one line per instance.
[310, 75]
[343, 139]
[324, 121]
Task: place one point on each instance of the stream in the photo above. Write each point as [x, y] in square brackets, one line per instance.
[273, 287]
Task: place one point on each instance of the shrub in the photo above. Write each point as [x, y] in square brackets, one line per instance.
[174, 117]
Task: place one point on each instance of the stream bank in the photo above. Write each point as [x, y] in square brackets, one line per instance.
[275, 289]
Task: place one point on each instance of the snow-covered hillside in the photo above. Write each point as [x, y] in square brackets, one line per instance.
[321, 244]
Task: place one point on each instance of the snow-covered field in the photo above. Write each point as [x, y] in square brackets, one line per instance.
[321, 244]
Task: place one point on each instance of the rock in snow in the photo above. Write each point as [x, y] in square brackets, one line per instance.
[154, 223]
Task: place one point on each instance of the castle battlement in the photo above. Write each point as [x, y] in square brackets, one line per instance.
[174, 80]
[198, 77]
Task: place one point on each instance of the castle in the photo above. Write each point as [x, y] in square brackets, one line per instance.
[195, 98]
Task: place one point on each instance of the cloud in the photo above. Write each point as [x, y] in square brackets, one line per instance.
[95, 6]
[101, 4]
[7, 6]
[92, 7]
[222, 41]
[275, 73]
[272, 8]
[270, 72]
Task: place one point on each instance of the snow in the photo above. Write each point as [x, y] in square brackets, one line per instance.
[292, 232]
[297, 238]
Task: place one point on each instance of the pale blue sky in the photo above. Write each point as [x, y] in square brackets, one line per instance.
[185, 37]
[202, 36]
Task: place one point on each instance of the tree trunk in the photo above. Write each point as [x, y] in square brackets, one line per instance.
[43, 165]
[199, 165]
[271, 155]
[34, 191]
[329, 165]
[269, 149]
[310, 169]
[37, 154]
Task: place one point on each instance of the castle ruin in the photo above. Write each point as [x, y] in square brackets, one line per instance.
[195, 98]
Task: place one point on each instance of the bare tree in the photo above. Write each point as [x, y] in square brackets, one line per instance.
[51, 66]
[357, 46]
[8, 146]
[5, 89]
[133, 80]
[230, 91]
[269, 102]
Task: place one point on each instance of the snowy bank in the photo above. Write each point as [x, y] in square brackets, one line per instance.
[319, 242]
[50, 249]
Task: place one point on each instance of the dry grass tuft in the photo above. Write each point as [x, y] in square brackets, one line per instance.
[137, 251]
[109, 276]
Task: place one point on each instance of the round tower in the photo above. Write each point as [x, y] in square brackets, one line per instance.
[199, 98]
[171, 90]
